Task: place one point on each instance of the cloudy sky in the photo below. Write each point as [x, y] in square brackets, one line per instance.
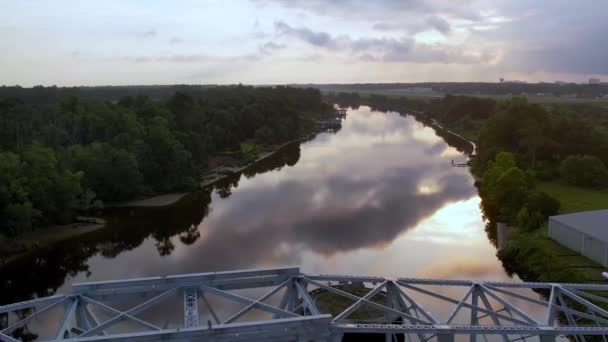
[87, 42]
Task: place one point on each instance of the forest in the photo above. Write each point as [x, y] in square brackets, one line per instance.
[477, 88]
[62, 153]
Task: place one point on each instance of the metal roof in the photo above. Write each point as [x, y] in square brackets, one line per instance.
[592, 223]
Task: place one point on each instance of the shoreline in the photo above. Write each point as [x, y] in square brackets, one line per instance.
[435, 123]
[35, 240]
[208, 178]
[45, 237]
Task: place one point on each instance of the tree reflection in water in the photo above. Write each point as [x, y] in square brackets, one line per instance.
[44, 271]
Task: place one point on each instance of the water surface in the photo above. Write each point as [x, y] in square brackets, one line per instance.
[378, 197]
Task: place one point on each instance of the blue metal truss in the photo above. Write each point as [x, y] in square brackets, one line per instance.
[290, 311]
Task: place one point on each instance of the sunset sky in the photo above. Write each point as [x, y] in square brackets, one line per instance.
[119, 42]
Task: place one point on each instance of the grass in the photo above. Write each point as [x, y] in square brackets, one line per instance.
[574, 198]
[549, 261]
[251, 150]
[546, 259]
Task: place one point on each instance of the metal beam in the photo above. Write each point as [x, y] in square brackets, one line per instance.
[584, 302]
[32, 316]
[287, 324]
[244, 300]
[253, 304]
[454, 301]
[210, 308]
[184, 280]
[277, 328]
[550, 318]
[418, 307]
[6, 338]
[119, 314]
[459, 305]
[516, 295]
[568, 315]
[65, 324]
[376, 305]
[191, 318]
[312, 308]
[360, 302]
[51, 300]
[494, 319]
[508, 305]
[129, 314]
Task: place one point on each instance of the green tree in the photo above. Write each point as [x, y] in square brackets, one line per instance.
[112, 172]
[504, 188]
[166, 164]
[542, 203]
[50, 189]
[584, 170]
[16, 212]
[511, 192]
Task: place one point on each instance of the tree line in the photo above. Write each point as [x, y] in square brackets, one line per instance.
[474, 88]
[60, 156]
[518, 144]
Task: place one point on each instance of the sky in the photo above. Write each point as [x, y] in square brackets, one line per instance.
[126, 42]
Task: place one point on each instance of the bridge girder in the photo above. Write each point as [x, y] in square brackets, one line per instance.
[291, 309]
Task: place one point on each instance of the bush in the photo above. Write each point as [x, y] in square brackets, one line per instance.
[529, 220]
[542, 203]
[584, 171]
[538, 207]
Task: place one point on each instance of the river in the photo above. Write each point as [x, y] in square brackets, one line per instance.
[378, 197]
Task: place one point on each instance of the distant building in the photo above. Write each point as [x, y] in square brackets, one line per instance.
[594, 81]
[584, 232]
[561, 83]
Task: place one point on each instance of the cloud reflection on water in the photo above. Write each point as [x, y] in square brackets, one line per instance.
[357, 190]
[351, 204]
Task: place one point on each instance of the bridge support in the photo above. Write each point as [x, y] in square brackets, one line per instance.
[286, 308]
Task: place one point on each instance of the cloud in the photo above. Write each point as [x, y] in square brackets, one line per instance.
[556, 36]
[346, 6]
[337, 226]
[321, 39]
[439, 24]
[148, 33]
[190, 58]
[404, 49]
[175, 40]
[380, 9]
[270, 47]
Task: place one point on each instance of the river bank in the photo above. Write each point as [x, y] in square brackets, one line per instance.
[536, 257]
[31, 241]
[25, 244]
[532, 254]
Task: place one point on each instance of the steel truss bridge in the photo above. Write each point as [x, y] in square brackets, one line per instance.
[284, 304]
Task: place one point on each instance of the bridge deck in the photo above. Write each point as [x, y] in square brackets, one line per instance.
[222, 306]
